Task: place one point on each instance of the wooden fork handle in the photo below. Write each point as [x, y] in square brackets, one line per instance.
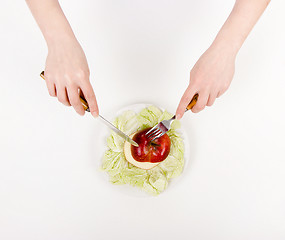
[193, 102]
[82, 98]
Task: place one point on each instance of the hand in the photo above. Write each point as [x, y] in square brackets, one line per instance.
[210, 78]
[67, 73]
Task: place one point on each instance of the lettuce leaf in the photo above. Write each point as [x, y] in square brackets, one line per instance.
[127, 122]
[155, 180]
[115, 142]
[148, 117]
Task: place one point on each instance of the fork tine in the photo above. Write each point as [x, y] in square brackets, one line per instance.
[154, 133]
[150, 130]
[153, 138]
[157, 136]
[160, 135]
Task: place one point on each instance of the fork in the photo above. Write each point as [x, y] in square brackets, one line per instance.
[161, 128]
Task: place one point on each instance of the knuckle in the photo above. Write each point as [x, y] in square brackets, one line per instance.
[187, 99]
[82, 74]
[90, 94]
[70, 83]
[207, 85]
[68, 80]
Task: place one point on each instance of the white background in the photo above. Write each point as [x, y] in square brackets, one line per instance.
[50, 187]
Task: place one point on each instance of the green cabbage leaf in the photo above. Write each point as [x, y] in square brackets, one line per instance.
[155, 180]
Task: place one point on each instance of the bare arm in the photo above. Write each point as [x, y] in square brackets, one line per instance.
[67, 69]
[212, 74]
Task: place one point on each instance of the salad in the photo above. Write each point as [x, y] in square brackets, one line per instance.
[120, 171]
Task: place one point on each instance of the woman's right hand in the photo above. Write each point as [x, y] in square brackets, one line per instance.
[67, 73]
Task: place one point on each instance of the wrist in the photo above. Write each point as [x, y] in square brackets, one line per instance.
[58, 39]
[222, 43]
[57, 31]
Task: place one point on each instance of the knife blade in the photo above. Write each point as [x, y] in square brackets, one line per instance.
[119, 132]
[106, 122]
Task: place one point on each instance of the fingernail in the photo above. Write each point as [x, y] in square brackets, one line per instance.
[178, 116]
[94, 114]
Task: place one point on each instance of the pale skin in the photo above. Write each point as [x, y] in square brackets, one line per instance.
[67, 70]
[212, 74]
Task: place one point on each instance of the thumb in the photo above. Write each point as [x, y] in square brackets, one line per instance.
[185, 100]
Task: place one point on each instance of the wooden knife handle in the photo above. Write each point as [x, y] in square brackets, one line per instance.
[82, 98]
[84, 102]
[193, 102]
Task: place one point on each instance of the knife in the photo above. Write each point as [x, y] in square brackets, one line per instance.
[106, 122]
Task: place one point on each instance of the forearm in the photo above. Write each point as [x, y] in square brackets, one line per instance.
[51, 20]
[212, 74]
[239, 24]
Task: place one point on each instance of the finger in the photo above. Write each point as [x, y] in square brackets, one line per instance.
[201, 103]
[89, 95]
[74, 100]
[62, 95]
[212, 99]
[69, 104]
[221, 93]
[185, 100]
[51, 88]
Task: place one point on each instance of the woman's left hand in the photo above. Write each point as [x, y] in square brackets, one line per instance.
[210, 78]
